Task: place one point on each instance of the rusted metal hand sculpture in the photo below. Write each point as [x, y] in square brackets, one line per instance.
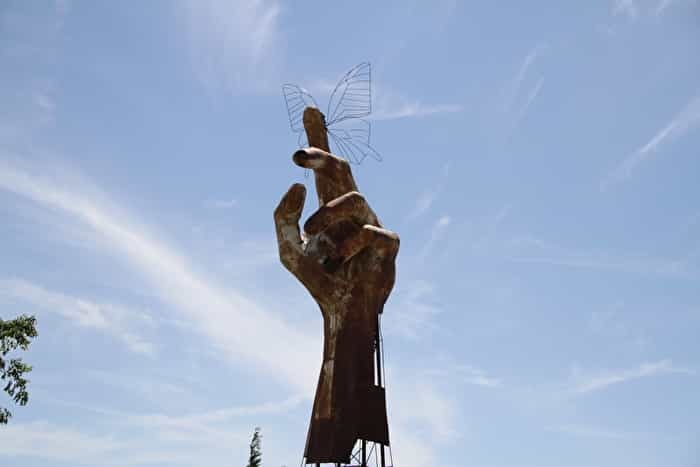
[346, 260]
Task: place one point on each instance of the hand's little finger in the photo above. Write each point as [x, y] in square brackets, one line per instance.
[350, 206]
[385, 242]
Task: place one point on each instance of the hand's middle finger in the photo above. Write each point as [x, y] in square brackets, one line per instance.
[332, 174]
[351, 206]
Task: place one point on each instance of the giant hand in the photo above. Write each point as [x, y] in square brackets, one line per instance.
[346, 261]
[345, 252]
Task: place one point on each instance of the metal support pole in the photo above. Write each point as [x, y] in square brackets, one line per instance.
[379, 383]
[378, 354]
[364, 453]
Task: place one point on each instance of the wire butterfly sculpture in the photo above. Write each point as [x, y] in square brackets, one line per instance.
[349, 103]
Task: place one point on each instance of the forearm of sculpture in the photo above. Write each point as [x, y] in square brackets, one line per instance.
[350, 331]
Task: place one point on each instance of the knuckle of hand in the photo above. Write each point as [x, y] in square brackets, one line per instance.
[342, 163]
[355, 195]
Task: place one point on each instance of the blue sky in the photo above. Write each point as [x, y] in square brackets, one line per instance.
[540, 165]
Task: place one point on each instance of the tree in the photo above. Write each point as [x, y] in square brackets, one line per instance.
[15, 333]
[255, 459]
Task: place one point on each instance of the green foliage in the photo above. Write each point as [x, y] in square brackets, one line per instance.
[13, 334]
[255, 459]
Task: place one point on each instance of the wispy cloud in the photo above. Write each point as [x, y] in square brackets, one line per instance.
[200, 421]
[636, 9]
[436, 234]
[487, 228]
[467, 374]
[386, 104]
[246, 332]
[661, 6]
[598, 262]
[627, 8]
[56, 442]
[433, 410]
[424, 202]
[528, 249]
[427, 198]
[414, 109]
[423, 418]
[611, 324]
[418, 307]
[149, 388]
[583, 384]
[232, 43]
[519, 93]
[27, 38]
[390, 105]
[587, 431]
[221, 203]
[252, 255]
[530, 98]
[150, 437]
[113, 319]
[476, 377]
[511, 91]
[683, 122]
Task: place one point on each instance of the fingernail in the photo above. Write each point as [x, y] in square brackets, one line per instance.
[307, 159]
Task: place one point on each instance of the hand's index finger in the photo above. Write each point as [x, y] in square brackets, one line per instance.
[315, 128]
[333, 175]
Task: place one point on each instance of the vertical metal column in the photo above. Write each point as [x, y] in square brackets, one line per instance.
[379, 381]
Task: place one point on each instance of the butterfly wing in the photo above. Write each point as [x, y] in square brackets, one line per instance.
[303, 140]
[352, 96]
[297, 100]
[350, 101]
[351, 140]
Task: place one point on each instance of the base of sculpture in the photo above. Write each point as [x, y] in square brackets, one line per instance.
[365, 454]
[332, 440]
